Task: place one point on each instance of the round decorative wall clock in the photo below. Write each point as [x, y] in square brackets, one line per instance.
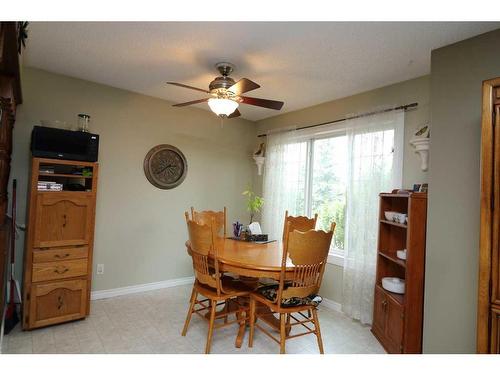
[165, 166]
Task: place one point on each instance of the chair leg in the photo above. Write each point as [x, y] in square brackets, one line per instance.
[211, 326]
[192, 302]
[318, 331]
[225, 310]
[282, 333]
[252, 322]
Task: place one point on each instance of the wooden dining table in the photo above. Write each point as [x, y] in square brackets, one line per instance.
[251, 261]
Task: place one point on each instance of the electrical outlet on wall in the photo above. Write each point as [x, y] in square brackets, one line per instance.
[100, 269]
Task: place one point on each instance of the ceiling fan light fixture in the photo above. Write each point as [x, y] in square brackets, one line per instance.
[222, 107]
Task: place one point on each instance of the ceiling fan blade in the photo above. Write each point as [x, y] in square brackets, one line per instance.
[243, 85]
[188, 87]
[189, 103]
[236, 113]
[266, 103]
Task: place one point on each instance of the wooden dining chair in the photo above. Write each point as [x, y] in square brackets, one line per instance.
[296, 293]
[216, 289]
[205, 217]
[300, 223]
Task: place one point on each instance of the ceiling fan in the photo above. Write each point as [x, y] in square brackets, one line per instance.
[225, 93]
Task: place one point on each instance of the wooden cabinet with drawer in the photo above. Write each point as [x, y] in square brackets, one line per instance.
[63, 253]
[63, 269]
[63, 219]
[388, 320]
[57, 302]
[59, 244]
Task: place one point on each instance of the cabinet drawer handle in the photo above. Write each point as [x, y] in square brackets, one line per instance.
[58, 271]
[58, 256]
[64, 222]
[59, 302]
[384, 304]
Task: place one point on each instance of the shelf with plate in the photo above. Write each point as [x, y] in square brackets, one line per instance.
[393, 223]
[398, 318]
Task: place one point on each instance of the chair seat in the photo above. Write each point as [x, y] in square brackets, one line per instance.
[230, 287]
[270, 292]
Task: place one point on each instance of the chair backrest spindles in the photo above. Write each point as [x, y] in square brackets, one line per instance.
[300, 223]
[205, 217]
[308, 252]
[202, 243]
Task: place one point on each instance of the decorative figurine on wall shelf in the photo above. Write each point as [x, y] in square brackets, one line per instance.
[259, 157]
[421, 142]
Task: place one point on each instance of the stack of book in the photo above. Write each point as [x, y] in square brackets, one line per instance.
[49, 186]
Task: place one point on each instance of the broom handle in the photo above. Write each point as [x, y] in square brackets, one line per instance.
[13, 231]
[13, 243]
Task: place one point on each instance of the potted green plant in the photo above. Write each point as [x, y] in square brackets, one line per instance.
[254, 203]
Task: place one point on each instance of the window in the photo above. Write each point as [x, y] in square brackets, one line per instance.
[336, 171]
[315, 174]
[328, 186]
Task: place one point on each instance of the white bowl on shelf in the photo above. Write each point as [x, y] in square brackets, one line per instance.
[401, 254]
[393, 284]
[400, 218]
[389, 215]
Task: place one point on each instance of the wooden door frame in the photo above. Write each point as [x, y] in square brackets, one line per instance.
[485, 239]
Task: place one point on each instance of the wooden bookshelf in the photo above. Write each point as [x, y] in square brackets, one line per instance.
[398, 318]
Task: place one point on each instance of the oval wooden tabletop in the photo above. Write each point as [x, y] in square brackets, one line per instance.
[250, 258]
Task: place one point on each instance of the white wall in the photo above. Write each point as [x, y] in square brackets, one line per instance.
[140, 230]
[454, 192]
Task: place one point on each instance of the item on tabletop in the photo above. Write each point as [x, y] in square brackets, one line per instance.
[254, 203]
[401, 254]
[83, 122]
[393, 284]
[243, 233]
[400, 218]
[424, 188]
[237, 229]
[254, 228]
[258, 238]
[416, 187]
[389, 215]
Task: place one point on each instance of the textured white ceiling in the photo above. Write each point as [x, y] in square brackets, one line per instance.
[301, 63]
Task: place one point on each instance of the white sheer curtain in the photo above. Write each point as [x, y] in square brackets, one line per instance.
[375, 158]
[284, 181]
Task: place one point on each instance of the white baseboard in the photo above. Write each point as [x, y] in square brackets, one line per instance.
[332, 305]
[108, 293]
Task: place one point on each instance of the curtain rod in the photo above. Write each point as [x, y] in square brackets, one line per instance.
[404, 107]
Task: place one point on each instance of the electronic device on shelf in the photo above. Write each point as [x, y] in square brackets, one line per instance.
[56, 143]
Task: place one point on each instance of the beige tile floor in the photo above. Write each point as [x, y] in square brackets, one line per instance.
[151, 323]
